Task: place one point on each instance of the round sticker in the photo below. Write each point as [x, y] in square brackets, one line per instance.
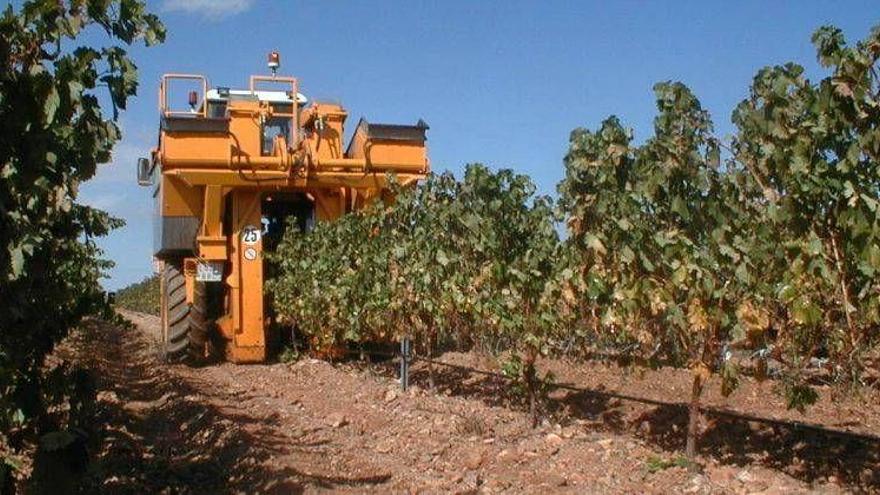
[250, 235]
[250, 254]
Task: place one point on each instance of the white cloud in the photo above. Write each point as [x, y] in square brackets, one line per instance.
[210, 9]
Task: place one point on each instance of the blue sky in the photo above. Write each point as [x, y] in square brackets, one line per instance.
[501, 83]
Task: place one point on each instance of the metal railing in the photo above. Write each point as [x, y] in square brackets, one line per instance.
[163, 95]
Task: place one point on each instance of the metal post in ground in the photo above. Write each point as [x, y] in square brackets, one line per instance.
[405, 350]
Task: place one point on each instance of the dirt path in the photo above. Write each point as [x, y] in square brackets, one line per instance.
[312, 427]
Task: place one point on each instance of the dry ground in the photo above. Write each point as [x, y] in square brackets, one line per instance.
[314, 427]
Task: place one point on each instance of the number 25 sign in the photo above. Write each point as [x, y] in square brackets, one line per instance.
[250, 235]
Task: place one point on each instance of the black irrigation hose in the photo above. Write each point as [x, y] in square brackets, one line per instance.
[796, 425]
[793, 424]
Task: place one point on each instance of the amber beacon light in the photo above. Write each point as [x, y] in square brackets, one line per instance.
[274, 61]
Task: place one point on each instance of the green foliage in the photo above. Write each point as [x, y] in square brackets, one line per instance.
[55, 134]
[686, 259]
[514, 369]
[684, 249]
[656, 463]
[798, 395]
[289, 355]
[141, 296]
[656, 227]
[813, 149]
[364, 276]
[460, 260]
[443, 250]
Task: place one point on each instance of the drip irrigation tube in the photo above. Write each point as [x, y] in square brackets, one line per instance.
[715, 411]
[867, 437]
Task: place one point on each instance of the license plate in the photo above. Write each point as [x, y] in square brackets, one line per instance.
[209, 271]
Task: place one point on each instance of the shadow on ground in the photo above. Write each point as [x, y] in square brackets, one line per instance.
[807, 455]
[160, 434]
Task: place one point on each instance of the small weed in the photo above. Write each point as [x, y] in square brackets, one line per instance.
[657, 463]
[289, 355]
[513, 368]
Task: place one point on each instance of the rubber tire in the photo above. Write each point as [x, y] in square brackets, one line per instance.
[186, 332]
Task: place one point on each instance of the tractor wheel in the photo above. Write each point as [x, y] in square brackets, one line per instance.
[185, 330]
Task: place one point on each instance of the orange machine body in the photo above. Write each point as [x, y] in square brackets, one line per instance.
[219, 165]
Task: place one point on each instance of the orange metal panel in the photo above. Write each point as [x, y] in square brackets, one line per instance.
[197, 149]
[325, 125]
[246, 354]
[245, 129]
[179, 198]
[276, 180]
[330, 204]
[211, 241]
[213, 248]
[391, 155]
[249, 337]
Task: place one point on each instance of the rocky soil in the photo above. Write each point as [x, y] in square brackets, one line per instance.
[312, 426]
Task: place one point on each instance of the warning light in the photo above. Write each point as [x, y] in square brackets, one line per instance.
[274, 61]
[193, 100]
